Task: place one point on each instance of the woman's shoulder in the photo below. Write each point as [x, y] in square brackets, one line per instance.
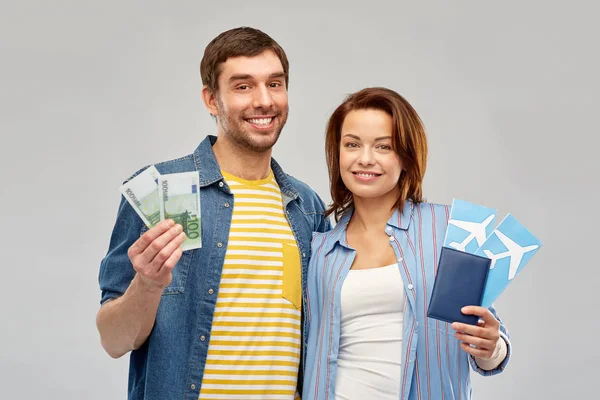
[425, 207]
[427, 214]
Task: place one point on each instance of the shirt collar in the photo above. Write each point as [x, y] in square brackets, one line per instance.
[206, 163]
[400, 219]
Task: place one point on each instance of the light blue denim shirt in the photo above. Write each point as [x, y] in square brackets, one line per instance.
[170, 364]
[434, 366]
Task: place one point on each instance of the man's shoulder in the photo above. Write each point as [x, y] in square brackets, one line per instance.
[302, 187]
[176, 165]
[308, 196]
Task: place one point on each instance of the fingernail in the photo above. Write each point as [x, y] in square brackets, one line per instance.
[170, 222]
[179, 228]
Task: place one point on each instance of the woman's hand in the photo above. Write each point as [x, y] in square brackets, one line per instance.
[484, 337]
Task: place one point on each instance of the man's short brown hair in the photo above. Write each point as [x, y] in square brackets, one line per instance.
[238, 42]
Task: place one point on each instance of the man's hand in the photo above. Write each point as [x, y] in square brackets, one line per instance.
[155, 254]
[485, 336]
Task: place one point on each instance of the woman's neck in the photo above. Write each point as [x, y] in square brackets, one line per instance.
[372, 214]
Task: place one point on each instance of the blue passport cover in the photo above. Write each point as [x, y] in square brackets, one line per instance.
[460, 281]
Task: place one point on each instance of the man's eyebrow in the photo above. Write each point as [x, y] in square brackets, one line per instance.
[240, 77]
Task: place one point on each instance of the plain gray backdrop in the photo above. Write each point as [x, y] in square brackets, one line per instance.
[92, 91]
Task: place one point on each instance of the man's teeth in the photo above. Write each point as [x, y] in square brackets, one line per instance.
[260, 121]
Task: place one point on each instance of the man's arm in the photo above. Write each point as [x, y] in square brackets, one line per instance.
[126, 322]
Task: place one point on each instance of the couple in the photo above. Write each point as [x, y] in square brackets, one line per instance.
[276, 304]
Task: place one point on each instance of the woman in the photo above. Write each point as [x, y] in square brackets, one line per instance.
[370, 278]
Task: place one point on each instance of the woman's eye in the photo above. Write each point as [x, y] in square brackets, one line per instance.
[385, 147]
[351, 144]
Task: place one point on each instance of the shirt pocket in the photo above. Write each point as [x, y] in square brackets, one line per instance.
[292, 286]
[180, 271]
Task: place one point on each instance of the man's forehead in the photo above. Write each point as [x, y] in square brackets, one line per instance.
[264, 64]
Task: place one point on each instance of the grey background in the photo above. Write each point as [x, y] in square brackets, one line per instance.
[92, 92]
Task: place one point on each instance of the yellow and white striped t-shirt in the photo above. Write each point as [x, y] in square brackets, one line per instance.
[254, 348]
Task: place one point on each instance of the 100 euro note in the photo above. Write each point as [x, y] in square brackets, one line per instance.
[179, 200]
[142, 193]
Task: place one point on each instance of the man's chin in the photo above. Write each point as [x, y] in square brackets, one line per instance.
[261, 142]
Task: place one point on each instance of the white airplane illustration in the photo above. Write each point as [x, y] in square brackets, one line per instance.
[476, 231]
[515, 252]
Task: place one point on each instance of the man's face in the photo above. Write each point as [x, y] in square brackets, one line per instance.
[252, 101]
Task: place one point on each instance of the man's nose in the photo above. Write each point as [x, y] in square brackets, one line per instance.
[262, 97]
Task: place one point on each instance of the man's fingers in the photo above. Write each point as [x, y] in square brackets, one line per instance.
[171, 262]
[159, 244]
[168, 250]
[144, 241]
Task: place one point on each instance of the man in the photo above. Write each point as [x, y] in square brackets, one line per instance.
[222, 321]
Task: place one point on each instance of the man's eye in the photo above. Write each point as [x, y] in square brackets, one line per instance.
[242, 87]
[275, 84]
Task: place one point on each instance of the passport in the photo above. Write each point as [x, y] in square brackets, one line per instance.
[460, 281]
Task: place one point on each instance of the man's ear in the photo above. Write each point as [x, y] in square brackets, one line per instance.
[210, 101]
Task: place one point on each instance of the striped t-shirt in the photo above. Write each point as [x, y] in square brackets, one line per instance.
[254, 348]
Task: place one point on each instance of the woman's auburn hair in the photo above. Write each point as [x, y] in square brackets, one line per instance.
[408, 140]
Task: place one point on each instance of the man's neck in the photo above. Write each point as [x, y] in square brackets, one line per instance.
[240, 162]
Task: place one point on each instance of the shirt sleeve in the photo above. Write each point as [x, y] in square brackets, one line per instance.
[116, 270]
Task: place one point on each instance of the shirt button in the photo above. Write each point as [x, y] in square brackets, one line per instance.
[220, 184]
[388, 229]
[400, 259]
[210, 291]
[193, 387]
[202, 338]
[303, 255]
[391, 238]
[226, 205]
[410, 286]
[219, 244]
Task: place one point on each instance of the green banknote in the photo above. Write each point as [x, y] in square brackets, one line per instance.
[142, 193]
[179, 200]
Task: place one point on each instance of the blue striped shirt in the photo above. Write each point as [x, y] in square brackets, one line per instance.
[433, 364]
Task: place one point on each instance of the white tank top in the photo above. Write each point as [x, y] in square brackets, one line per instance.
[372, 312]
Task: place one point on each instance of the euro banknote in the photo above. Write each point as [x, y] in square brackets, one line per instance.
[179, 200]
[142, 193]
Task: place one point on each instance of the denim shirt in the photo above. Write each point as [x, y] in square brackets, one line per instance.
[170, 364]
[433, 364]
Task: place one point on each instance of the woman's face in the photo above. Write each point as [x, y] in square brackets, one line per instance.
[369, 166]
